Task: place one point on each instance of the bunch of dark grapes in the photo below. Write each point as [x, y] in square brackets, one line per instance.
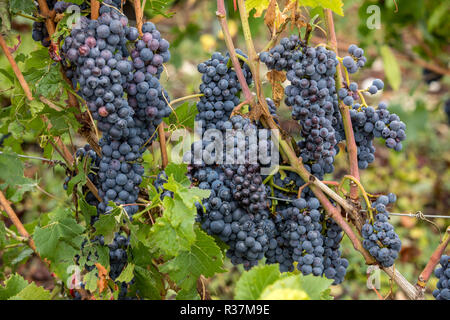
[298, 238]
[237, 209]
[379, 236]
[118, 254]
[312, 96]
[355, 60]
[145, 93]
[442, 292]
[369, 123]
[97, 60]
[220, 87]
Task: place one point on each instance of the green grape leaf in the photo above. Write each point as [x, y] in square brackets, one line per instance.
[183, 115]
[108, 224]
[252, 283]
[13, 286]
[298, 287]
[12, 170]
[87, 210]
[50, 83]
[174, 231]
[25, 6]
[148, 282]
[127, 274]
[155, 7]
[203, 258]
[178, 172]
[63, 228]
[90, 280]
[32, 292]
[391, 67]
[188, 294]
[8, 75]
[316, 288]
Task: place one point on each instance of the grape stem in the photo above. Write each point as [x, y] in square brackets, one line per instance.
[361, 96]
[402, 282]
[221, 15]
[361, 188]
[16, 221]
[345, 112]
[16, 69]
[192, 96]
[434, 260]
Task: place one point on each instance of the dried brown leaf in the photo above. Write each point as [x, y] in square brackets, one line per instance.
[102, 282]
[276, 78]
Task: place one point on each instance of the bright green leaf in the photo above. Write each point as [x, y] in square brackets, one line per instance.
[203, 258]
[252, 283]
[13, 286]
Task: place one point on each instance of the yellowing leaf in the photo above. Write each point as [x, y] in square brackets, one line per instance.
[258, 5]
[334, 5]
[285, 294]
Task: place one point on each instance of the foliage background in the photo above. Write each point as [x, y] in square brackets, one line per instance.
[420, 175]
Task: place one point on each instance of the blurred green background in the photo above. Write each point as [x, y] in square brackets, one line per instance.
[415, 35]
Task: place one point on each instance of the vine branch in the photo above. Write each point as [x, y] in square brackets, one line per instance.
[434, 260]
[16, 69]
[16, 221]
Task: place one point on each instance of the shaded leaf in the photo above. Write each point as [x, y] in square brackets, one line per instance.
[391, 67]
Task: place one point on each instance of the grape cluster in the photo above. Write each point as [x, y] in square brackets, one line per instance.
[237, 209]
[118, 254]
[305, 236]
[379, 236]
[369, 123]
[298, 238]
[313, 98]
[355, 60]
[145, 93]
[220, 87]
[123, 94]
[442, 292]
